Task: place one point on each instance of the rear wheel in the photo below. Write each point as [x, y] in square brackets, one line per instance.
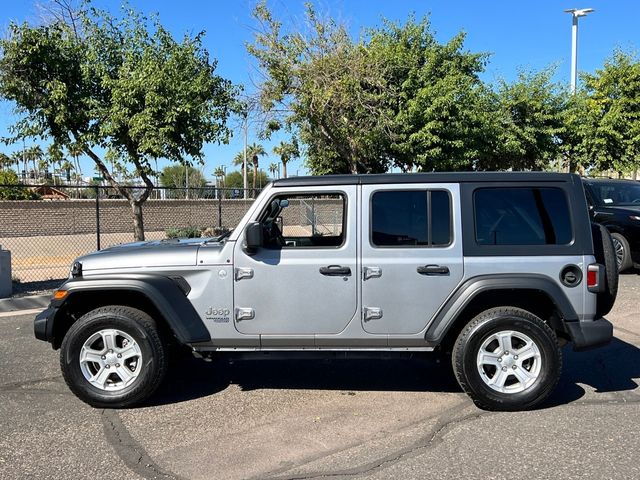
[621, 249]
[113, 357]
[507, 359]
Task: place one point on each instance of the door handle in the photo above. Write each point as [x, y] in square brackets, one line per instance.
[335, 271]
[433, 270]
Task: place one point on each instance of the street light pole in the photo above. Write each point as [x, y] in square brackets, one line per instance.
[575, 14]
[244, 161]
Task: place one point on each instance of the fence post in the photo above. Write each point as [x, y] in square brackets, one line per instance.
[219, 210]
[97, 216]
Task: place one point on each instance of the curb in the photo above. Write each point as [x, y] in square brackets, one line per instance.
[24, 303]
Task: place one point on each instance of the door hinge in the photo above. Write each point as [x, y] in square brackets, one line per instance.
[245, 314]
[371, 313]
[241, 273]
[371, 272]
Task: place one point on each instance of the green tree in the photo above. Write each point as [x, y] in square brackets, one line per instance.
[234, 180]
[394, 96]
[287, 151]
[440, 115]
[528, 123]
[120, 83]
[175, 176]
[327, 89]
[575, 133]
[613, 106]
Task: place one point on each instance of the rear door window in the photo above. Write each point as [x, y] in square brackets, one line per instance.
[411, 218]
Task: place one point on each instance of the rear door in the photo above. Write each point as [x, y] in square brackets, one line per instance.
[411, 254]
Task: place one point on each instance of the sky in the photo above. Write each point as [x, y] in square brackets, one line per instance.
[518, 34]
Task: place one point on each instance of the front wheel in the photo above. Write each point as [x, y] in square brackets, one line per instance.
[507, 359]
[113, 357]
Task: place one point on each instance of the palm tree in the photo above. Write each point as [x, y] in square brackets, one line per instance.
[18, 157]
[273, 169]
[35, 155]
[253, 153]
[75, 151]
[43, 166]
[287, 151]
[66, 166]
[5, 161]
[219, 173]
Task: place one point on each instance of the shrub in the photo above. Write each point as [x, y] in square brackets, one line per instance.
[15, 192]
[214, 231]
[183, 232]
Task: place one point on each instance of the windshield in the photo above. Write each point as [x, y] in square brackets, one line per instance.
[616, 193]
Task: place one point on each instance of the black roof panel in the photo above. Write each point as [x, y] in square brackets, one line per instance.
[367, 179]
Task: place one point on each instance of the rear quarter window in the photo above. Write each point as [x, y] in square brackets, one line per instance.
[522, 216]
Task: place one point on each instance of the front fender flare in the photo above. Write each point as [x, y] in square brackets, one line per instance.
[163, 292]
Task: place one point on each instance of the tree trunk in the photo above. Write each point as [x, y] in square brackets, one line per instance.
[138, 223]
[635, 174]
[136, 203]
[284, 169]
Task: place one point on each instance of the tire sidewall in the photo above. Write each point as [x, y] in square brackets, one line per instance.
[549, 353]
[626, 259]
[70, 355]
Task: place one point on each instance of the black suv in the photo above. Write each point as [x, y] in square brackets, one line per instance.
[616, 205]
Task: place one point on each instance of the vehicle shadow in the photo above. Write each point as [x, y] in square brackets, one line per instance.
[612, 368]
[608, 369]
[190, 378]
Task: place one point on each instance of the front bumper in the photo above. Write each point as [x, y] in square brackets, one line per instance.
[590, 334]
[43, 324]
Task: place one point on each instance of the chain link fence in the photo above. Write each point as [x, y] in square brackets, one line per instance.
[46, 233]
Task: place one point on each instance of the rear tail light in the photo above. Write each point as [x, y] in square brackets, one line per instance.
[595, 278]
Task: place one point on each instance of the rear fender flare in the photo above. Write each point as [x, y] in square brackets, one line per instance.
[470, 289]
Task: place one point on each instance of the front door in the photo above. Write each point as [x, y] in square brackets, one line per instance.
[303, 280]
[411, 254]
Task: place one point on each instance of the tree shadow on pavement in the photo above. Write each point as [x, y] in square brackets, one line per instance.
[191, 378]
[608, 369]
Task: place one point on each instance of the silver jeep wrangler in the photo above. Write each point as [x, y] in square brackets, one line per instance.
[496, 269]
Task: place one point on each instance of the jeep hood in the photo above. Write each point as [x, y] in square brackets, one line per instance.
[157, 253]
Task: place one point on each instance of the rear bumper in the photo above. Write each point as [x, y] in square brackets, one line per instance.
[590, 334]
[43, 324]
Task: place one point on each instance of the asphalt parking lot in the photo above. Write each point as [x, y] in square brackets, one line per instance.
[299, 419]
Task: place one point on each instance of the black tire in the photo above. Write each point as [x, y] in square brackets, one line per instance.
[623, 257]
[479, 330]
[604, 252]
[134, 323]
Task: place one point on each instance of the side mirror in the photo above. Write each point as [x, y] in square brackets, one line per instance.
[254, 237]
